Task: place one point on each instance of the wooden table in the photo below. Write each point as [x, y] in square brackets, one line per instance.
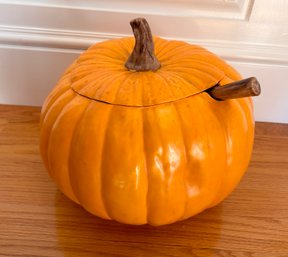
[37, 220]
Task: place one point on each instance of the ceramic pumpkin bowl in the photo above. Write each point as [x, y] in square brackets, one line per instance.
[151, 135]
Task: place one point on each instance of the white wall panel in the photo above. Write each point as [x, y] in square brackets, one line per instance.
[232, 9]
[27, 75]
[272, 104]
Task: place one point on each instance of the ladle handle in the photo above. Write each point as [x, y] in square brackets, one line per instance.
[237, 89]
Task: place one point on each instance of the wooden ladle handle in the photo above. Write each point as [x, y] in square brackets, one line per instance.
[236, 89]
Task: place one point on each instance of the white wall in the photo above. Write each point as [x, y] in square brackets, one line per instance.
[39, 39]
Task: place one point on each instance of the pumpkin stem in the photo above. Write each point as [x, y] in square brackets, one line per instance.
[142, 58]
[237, 89]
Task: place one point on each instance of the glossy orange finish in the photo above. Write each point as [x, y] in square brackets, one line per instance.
[146, 147]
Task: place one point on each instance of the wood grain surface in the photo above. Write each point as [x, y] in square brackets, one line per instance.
[37, 220]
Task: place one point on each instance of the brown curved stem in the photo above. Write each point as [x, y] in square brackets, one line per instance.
[142, 58]
[237, 89]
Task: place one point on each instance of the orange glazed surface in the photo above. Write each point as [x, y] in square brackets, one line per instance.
[146, 147]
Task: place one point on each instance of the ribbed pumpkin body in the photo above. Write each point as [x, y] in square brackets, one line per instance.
[145, 147]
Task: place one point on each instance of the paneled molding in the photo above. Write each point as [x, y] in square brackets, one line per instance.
[76, 42]
[229, 9]
[202, 20]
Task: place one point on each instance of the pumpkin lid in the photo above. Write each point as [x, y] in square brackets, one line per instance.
[102, 73]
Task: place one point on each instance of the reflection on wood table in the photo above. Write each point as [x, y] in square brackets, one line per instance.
[37, 220]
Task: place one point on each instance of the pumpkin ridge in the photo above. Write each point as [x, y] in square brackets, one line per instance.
[149, 178]
[224, 132]
[102, 88]
[242, 116]
[201, 66]
[50, 102]
[103, 57]
[57, 92]
[95, 87]
[208, 152]
[189, 51]
[122, 84]
[50, 153]
[187, 82]
[89, 67]
[162, 143]
[104, 200]
[181, 78]
[145, 153]
[96, 54]
[92, 88]
[168, 87]
[163, 51]
[80, 84]
[127, 45]
[55, 100]
[179, 120]
[204, 176]
[177, 53]
[168, 83]
[165, 166]
[97, 58]
[80, 117]
[245, 121]
[124, 175]
[88, 189]
[47, 127]
[97, 49]
[195, 75]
